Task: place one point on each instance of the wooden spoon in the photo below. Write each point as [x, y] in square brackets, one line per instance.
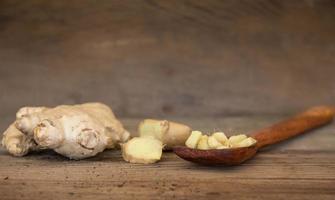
[307, 120]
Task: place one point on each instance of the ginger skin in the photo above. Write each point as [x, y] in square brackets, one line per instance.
[77, 131]
[17, 143]
[169, 133]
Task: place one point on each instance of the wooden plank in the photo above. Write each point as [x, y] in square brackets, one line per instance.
[288, 171]
[168, 58]
[271, 176]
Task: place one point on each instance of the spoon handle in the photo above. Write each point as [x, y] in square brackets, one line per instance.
[309, 119]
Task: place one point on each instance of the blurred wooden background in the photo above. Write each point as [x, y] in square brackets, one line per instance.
[168, 58]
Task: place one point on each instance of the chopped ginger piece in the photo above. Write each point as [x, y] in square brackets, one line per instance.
[193, 140]
[213, 143]
[218, 140]
[233, 140]
[203, 143]
[221, 137]
[246, 142]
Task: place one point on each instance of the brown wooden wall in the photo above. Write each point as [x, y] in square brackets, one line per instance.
[168, 58]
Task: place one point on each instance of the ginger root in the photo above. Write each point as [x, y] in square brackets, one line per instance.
[169, 133]
[17, 143]
[77, 131]
[143, 150]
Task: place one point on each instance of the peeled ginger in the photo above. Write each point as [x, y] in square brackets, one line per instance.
[203, 143]
[143, 150]
[218, 140]
[235, 139]
[193, 139]
[246, 142]
[213, 143]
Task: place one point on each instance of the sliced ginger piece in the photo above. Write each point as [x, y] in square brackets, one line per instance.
[246, 142]
[193, 140]
[235, 139]
[143, 150]
[203, 143]
[213, 143]
[220, 137]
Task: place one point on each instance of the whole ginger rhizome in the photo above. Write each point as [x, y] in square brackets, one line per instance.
[78, 131]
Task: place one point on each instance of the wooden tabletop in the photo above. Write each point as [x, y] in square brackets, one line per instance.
[302, 168]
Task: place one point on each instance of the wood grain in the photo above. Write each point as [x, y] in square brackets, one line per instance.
[168, 58]
[302, 169]
[299, 124]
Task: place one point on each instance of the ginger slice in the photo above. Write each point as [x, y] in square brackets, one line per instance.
[143, 150]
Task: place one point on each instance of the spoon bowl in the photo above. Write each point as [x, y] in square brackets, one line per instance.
[228, 157]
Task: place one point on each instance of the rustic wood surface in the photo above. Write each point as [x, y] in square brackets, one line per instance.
[168, 57]
[302, 168]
